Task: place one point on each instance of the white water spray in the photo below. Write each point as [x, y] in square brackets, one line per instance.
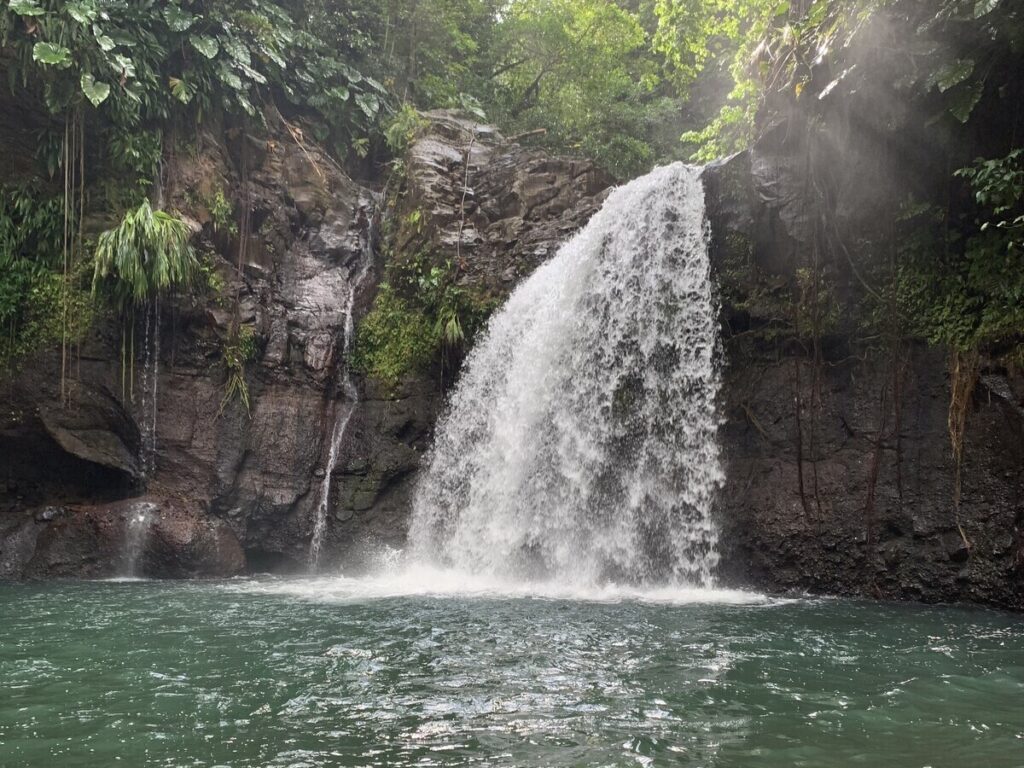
[137, 526]
[343, 415]
[580, 444]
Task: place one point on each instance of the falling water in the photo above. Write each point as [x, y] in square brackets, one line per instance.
[139, 520]
[343, 414]
[149, 385]
[156, 379]
[580, 444]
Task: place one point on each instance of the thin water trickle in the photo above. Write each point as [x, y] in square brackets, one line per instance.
[137, 527]
[343, 414]
[149, 386]
[580, 444]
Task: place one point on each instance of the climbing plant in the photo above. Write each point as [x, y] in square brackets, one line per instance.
[238, 350]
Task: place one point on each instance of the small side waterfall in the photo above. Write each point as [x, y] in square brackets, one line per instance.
[137, 526]
[580, 444]
[150, 379]
[344, 411]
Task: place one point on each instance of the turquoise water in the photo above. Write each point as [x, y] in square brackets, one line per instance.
[341, 673]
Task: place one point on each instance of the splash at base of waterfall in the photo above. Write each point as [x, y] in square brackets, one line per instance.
[139, 521]
[580, 445]
[425, 580]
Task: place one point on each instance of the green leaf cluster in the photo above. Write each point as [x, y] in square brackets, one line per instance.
[36, 298]
[143, 64]
[148, 253]
[419, 316]
[394, 339]
[964, 285]
[239, 349]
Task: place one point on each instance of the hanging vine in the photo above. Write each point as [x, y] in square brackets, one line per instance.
[963, 371]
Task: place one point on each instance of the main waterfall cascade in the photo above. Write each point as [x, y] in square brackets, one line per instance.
[580, 443]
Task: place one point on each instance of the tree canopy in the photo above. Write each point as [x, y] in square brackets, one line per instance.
[629, 83]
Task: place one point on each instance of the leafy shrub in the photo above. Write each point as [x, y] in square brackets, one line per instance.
[38, 303]
[239, 349]
[394, 339]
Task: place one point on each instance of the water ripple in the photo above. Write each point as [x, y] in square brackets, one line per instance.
[330, 672]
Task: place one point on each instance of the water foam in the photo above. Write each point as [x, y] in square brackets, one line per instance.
[420, 580]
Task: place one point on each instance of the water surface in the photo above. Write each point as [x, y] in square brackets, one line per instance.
[335, 672]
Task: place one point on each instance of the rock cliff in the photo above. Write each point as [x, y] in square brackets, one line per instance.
[840, 466]
[248, 479]
[842, 474]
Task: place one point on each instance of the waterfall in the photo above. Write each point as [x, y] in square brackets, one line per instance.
[149, 382]
[343, 414]
[139, 520]
[580, 443]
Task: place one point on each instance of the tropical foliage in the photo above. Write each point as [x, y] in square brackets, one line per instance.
[147, 254]
[33, 292]
[115, 85]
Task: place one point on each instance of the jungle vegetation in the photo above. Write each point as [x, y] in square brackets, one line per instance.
[629, 83]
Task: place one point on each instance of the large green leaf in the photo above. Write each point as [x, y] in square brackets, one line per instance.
[83, 12]
[182, 90]
[94, 91]
[205, 45]
[350, 74]
[254, 75]
[177, 19]
[51, 54]
[244, 102]
[237, 50]
[374, 84]
[105, 42]
[368, 103]
[270, 53]
[123, 65]
[983, 7]
[229, 78]
[26, 8]
[964, 100]
[953, 73]
[339, 93]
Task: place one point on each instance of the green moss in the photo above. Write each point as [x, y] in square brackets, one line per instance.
[394, 339]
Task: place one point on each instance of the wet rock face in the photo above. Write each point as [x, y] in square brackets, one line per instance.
[840, 467]
[876, 516]
[170, 540]
[290, 253]
[301, 235]
[495, 208]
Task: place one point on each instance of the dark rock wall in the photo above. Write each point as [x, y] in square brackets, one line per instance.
[837, 446]
[249, 481]
[495, 208]
[876, 517]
